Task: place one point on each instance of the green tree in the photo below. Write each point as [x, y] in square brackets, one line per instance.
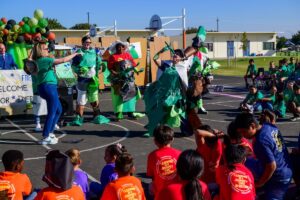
[191, 30]
[81, 26]
[281, 42]
[296, 38]
[54, 24]
[244, 41]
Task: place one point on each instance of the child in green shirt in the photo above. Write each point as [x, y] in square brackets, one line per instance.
[252, 72]
[252, 102]
[294, 104]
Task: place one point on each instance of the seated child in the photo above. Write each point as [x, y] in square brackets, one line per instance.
[80, 177]
[126, 187]
[252, 72]
[294, 104]
[188, 186]
[59, 177]
[14, 185]
[268, 101]
[279, 106]
[234, 179]
[161, 164]
[210, 148]
[252, 101]
[108, 172]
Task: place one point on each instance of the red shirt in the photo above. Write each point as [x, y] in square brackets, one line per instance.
[16, 184]
[51, 193]
[211, 157]
[124, 188]
[175, 191]
[248, 146]
[237, 184]
[119, 57]
[161, 167]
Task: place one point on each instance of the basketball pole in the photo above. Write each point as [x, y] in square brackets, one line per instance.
[183, 29]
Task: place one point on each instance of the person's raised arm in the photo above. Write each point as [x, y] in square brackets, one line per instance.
[65, 59]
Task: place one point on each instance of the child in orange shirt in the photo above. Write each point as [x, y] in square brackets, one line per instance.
[235, 180]
[188, 186]
[13, 184]
[161, 164]
[126, 187]
[210, 148]
[59, 173]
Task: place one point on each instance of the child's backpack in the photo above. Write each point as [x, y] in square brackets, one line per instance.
[59, 170]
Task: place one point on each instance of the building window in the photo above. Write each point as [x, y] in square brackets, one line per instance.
[268, 46]
[210, 46]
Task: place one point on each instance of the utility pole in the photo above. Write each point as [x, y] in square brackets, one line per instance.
[88, 15]
[217, 24]
[183, 29]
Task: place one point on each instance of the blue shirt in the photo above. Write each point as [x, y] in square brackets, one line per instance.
[7, 62]
[81, 179]
[108, 174]
[269, 146]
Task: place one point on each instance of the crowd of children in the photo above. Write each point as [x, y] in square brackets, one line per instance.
[283, 84]
[224, 166]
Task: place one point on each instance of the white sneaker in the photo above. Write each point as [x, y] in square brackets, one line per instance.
[48, 140]
[56, 127]
[38, 128]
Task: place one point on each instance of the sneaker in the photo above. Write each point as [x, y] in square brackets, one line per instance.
[131, 116]
[52, 135]
[56, 127]
[100, 119]
[78, 121]
[295, 119]
[202, 111]
[48, 140]
[38, 128]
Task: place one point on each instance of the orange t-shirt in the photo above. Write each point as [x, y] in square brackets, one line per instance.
[16, 184]
[161, 167]
[124, 188]
[51, 193]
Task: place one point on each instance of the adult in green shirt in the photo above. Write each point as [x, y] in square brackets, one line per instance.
[47, 88]
[251, 72]
[291, 66]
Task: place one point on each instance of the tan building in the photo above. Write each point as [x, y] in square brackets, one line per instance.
[228, 44]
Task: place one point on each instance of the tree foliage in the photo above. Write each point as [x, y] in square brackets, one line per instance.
[296, 38]
[191, 30]
[281, 42]
[244, 41]
[82, 26]
[54, 24]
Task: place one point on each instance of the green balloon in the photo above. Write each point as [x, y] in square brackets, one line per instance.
[2, 27]
[33, 22]
[1, 23]
[16, 28]
[43, 30]
[26, 28]
[43, 23]
[33, 29]
[38, 14]
[25, 19]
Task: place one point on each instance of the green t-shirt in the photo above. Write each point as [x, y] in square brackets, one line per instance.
[46, 73]
[252, 98]
[281, 107]
[34, 84]
[297, 99]
[284, 71]
[291, 68]
[272, 97]
[251, 69]
[288, 95]
[272, 71]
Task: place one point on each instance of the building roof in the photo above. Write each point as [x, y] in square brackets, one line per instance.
[242, 32]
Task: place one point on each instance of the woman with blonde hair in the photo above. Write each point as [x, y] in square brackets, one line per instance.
[47, 87]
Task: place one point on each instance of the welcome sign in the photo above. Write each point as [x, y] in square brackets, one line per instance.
[15, 91]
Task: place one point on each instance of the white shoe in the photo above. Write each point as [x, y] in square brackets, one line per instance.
[38, 128]
[48, 140]
[56, 127]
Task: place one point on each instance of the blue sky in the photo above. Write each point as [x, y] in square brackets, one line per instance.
[234, 15]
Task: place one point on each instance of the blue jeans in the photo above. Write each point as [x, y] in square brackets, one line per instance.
[267, 105]
[276, 190]
[49, 93]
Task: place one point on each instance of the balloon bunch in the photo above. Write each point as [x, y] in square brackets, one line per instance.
[18, 36]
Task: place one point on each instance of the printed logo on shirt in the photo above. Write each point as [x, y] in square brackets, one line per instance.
[166, 167]
[129, 192]
[64, 197]
[277, 140]
[9, 188]
[240, 182]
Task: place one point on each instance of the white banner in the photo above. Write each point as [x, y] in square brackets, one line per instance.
[15, 91]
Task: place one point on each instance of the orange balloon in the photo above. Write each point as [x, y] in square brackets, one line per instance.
[27, 36]
[4, 20]
[5, 31]
[21, 23]
[51, 36]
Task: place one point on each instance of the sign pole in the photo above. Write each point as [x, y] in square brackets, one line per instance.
[183, 29]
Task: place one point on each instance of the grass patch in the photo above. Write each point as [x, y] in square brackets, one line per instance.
[239, 66]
